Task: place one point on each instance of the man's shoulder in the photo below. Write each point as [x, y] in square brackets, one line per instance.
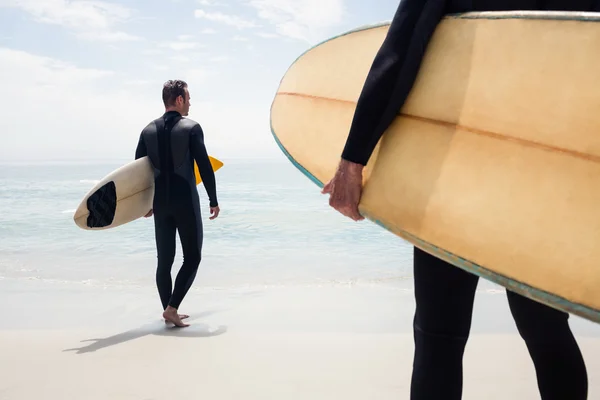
[188, 123]
[184, 124]
[150, 126]
[188, 126]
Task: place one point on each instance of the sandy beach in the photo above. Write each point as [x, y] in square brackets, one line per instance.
[200, 363]
[274, 343]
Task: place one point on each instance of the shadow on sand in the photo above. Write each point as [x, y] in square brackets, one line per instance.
[158, 328]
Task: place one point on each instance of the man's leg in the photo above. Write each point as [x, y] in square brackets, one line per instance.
[444, 295]
[165, 234]
[559, 365]
[189, 225]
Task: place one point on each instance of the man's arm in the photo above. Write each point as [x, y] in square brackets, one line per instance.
[204, 167]
[141, 150]
[392, 75]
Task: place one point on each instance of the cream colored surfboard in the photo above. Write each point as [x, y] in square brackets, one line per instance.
[493, 163]
[122, 196]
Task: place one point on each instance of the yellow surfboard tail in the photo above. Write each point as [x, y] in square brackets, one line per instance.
[216, 165]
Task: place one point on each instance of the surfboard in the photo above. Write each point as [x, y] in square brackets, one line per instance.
[123, 195]
[492, 163]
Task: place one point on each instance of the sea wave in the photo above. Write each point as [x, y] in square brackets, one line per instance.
[89, 181]
[236, 287]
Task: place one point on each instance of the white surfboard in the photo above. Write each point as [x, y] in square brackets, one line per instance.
[122, 196]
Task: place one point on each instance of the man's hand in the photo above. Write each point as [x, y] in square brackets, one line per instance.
[148, 215]
[214, 212]
[345, 189]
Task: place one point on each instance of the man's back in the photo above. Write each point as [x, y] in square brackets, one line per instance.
[173, 143]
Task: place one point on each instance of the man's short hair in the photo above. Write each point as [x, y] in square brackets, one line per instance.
[171, 90]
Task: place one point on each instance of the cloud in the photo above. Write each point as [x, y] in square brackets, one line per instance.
[181, 45]
[307, 20]
[180, 59]
[106, 111]
[183, 42]
[231, 20]
[89, 20]
[196, 76]
[51, 87]
[212, 3]
[152, 52]
[45, 71]
[266, 35]
[104, 36]
[138, 82]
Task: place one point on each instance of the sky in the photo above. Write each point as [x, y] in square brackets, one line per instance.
[81, 78]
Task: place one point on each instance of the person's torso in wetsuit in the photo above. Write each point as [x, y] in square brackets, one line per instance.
[397, 62]
[172, 143]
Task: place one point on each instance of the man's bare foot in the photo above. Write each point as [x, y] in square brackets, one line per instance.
[181, 316]
[171, 315]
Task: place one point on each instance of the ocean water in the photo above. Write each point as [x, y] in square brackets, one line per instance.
[275, 229]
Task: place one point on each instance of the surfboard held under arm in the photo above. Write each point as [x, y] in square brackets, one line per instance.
[490, 164]
[123, 195]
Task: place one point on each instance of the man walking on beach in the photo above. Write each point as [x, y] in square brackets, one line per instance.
[173, 143]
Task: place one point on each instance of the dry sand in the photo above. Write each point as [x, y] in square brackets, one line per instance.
[204, 363]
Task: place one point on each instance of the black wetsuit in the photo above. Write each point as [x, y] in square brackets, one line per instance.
[444, 294]
[172, 143]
